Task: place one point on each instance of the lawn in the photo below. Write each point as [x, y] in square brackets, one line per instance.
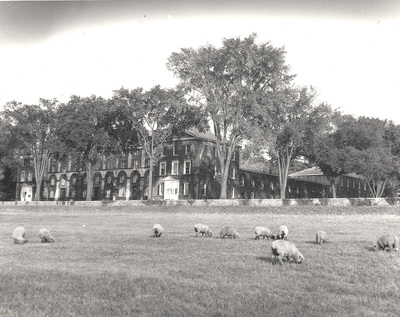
[105, 263]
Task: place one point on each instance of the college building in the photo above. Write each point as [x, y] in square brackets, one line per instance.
[188, 169]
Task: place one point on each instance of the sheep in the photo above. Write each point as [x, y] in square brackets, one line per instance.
[45, 236]
[285, 249]
[321, 237]
[263, 232]
[19, 235]
[203, 229]
[229, 232]
[389, 241]
[157, 230]
[283, 233]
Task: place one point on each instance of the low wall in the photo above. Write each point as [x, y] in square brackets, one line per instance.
[218, 202]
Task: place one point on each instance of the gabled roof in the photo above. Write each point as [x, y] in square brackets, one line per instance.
[209, 136]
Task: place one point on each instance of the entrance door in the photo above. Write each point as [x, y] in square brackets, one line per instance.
[171, 189]
[26, 193]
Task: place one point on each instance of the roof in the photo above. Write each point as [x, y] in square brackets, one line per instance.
[316, 171]
[208, 135]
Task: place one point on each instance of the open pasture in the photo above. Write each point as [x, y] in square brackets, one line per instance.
[104, 262]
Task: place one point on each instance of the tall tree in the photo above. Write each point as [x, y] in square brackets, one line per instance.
[288, 125]
[32, 127]
[83, 136]
[225, 83]
[156, 116]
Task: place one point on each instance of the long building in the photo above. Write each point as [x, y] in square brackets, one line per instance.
[188, 169]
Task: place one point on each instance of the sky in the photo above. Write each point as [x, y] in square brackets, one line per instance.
[348, 50]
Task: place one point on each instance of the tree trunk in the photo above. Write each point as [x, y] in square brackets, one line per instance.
[40, 166]
[283, 167]
[89, 182]
[150, 187]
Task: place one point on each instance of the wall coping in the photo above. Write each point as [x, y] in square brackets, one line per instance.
[388, 201]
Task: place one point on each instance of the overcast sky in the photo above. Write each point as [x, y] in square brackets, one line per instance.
[348, 50]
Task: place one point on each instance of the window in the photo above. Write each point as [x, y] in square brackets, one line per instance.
[233, 156]
[97, 181]
[135, 164]
[233, 173]
[22, 176]
[175, 168]
[262, 184]
[109, 179]
[252, 183]
[163, 168]
[214, 152]
[188, 166]
[161, 189]
[30, 175]
[147, 162]
[232, 192]
[121, 179]
[73, 181]
[186, 188]
[123, 163]
[216, 171]
[187, 149]
[175, 150]
[271, 186]
[108, 193]
[136, 152]
[204, 190]
[53, 168]
[121, 192]
[251, 195]
[73, 193]
[53, 181]
[241, 181]
[164, 151]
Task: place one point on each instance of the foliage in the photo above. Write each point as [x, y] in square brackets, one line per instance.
[225, 83]
[372, 146]
[82, 135]
[157, 116]
[32, 129]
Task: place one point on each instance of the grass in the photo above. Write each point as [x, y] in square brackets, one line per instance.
[105, 263]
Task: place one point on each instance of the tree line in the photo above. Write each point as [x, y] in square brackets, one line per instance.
[242, 91]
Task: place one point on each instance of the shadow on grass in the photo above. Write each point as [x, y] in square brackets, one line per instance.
[267, 259]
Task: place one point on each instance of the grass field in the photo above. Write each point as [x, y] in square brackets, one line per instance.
[105, 263]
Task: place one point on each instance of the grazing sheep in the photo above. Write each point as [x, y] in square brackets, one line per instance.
[389, 241]
[19, 235]
[285, 249]
[203, 229]
[321, 237]
[45, 236]
[263, 232]
[157, 230]
[229, 232]
[283, 233]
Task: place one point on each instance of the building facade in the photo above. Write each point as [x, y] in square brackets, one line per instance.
[188, 169]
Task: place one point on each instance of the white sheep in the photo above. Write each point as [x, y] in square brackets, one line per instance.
[389, 241]
[19, 235]
[229, 232]
[203, 229]
[45, 236]
[321, 237]
[157, 230]
[285, 249]
[263, 232]
[283, 233]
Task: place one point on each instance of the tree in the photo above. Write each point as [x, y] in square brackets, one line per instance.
[289, 124]
[329, 152]
[373, 149]
[82, 135]
[156, 116]
[225, 83]
[32, 127]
